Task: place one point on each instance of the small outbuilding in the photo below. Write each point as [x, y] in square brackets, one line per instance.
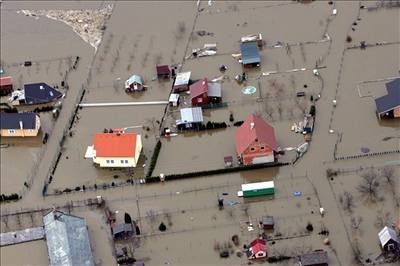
[316, 258]
[267, 222]
[214, 92]
[134, 83]
[250, 54]
[389, 239]
[122, 231]
[163, 72]
[190, 118]
[174, 99]
[181, 82]
[389, 105]
[6, 85]
[199, 92]
[257, 250]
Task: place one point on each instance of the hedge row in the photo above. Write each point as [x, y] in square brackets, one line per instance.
[154, 158]
[366, 155]
[154, 179]
[13, 196]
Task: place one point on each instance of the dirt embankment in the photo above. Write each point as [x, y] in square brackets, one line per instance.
[89, 24]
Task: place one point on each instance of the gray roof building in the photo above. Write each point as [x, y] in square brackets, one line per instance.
[67, 240]
[316, 258]
[191, 115]
[18, 120]
[391, 100]
[250, 53]
[214, 89]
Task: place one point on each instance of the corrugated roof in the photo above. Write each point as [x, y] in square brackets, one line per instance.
[162, 70]
[386, 234]
[391, 100]
[115, 145]
[134, 79]
[198, 88]
[214, 89]
[191, 115]
[120, 228]
[314, 258]
[67, 240]
[12, 120]
[4, 81]
[250, 53]
[254, 128]
[37, 93]
[182, 78]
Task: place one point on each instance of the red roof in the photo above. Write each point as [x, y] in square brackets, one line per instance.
[162, 70]
[258, 245]
[115, 144]
[5, 81]
[253, 128]
[198, 88]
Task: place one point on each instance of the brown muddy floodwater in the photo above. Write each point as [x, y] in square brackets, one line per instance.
[29, 253]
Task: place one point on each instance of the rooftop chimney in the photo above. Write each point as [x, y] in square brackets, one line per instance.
[21, 125]
[251, 125]
[41, 87]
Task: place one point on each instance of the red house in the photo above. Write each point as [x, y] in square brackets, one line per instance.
[257, 250]
[199, 92]
[255, 141]
[6, 86]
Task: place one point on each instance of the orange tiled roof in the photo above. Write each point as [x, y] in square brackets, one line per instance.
[115, 145]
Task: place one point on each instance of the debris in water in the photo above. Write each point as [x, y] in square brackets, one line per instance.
[365, 150]
[249, 90]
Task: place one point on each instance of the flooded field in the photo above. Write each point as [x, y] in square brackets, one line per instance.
[22, 254]
[197, 230]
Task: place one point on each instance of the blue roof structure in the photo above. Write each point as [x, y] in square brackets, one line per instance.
[16, 120]
[67, 240]
[391, 100]
[250, 53]
[38, 93]
[135, 79]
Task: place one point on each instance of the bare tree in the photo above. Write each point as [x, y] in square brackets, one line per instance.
[356, 222]
[382, 219]
[347, 201]
[369, 184]
[388, 173]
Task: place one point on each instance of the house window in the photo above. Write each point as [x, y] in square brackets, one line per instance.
[252, 149]
[30, 130]
[126, 161]
[11, 131]
[200, 100]
[107, 161]
[112, 161]
[262, 147]
[122, 161]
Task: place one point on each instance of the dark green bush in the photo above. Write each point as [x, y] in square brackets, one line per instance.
[154, 158]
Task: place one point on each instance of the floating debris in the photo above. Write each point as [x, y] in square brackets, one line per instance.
[249, 90]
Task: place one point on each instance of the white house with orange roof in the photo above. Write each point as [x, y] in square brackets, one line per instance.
[115, 149]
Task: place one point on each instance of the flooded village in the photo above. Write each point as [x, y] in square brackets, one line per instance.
[200, 132]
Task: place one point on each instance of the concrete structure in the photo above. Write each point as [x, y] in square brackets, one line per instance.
[257, 250]
[199, 92]
[6, 85]
[19, 124]
[190, 118]
[250, 54]
[181, 82]
[134, 83]
[67, 240]
[255, 141]
[316, 258]
[389, 239]
[115, 150]
[257, 189]
[34, 94]
[389, 105]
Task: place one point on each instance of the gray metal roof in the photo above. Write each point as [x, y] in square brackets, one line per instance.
[16, 120]
[391, 100]
[191, 115]
[250, 53]
[67, 239]
[314, 258]
[386, 234]
[214, 89]
[120, 228]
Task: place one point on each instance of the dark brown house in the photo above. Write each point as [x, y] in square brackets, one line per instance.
[163, 72]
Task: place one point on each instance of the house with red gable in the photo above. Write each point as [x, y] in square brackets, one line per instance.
[115, 149]
[199, 92]
[257, 250]
[255, 141]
